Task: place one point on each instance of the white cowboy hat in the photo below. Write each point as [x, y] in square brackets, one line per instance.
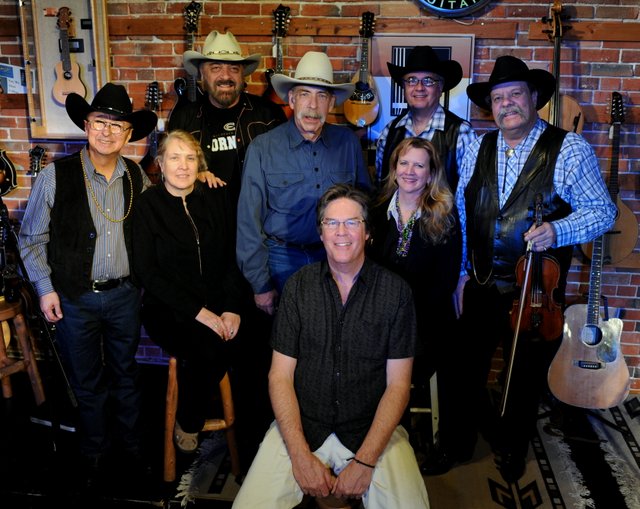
[313, 69]
[220, 48]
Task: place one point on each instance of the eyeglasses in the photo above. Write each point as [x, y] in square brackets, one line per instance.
[100, 125]
[426, 82]
[349, 224]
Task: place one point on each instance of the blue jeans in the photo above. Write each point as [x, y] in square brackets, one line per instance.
[98, 339]
[284, 261]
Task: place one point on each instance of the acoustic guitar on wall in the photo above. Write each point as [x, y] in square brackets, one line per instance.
[8, 180]
[187, 88]
[148, 162]
[281, 19]
[620, 241]
[67, 72]
[362, 108]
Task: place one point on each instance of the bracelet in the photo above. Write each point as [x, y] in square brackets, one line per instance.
[362, 463]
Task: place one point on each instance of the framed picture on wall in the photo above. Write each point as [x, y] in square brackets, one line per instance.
[65, 46]
[394, 48]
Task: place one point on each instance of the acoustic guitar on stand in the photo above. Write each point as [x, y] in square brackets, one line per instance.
[620, 241]
[187, 88]
[67, 72]
[281, 19]
[561, 110]
[362, 108]
[149, 163]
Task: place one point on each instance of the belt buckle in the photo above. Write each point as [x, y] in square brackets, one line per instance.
[95, 285]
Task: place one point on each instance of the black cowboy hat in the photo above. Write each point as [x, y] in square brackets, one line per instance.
[509, 68]
[112, 99]
[425, 59]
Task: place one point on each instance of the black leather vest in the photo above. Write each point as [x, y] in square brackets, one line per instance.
[444, 142]
[72, 232]
[495, 237]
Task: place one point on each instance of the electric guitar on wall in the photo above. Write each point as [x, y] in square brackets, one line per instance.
[362, 108]
[149, 163]
[187, 88]
[281, 19]
[67, 72]
[36, 160]
[620, 241]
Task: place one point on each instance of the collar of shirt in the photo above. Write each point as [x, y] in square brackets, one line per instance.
[296, 139]
[437, 121]
[98, 177]
[392, 211]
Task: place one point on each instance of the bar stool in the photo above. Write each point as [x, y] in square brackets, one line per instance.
[11, 314]
[433, 408]
[225, 423]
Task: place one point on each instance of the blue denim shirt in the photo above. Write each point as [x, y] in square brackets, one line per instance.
[283, 178]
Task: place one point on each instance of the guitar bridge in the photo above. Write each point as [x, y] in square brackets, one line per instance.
[587, 364]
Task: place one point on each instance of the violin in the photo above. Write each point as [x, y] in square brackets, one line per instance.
[540, 313]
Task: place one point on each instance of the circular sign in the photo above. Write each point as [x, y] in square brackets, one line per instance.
[453, 8]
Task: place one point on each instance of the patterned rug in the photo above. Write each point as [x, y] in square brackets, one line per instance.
[593, 463]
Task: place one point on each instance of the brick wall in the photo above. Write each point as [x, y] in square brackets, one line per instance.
[600, 54]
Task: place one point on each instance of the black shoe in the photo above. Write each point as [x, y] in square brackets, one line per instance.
[511, 466]
[440, 461]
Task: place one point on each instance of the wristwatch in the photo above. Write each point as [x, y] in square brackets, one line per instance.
[453, 8]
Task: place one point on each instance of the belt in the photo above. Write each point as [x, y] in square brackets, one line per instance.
[314, 246]
[102, 285]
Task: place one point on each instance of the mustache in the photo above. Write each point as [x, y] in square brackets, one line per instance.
[229, 83]
[312, 114]
[513, 109]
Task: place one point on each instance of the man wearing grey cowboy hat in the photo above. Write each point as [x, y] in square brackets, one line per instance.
[285, 173]
[423, 78]
[228, 118]
[504, 175]
[75, 241]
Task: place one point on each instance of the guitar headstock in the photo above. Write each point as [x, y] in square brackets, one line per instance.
[153, 100]
[64, 18]
[36, 160]
[281, 20]
[367, 24]
[555, 20]
[191, 15]
[617, 108]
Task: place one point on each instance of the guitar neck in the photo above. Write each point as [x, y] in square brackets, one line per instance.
[595, 280]
[64, 50]
[614, 187]
[364, 61]
[279, 56]
[191, 80]
[554, 107]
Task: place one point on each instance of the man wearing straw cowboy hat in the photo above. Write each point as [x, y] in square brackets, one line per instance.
[423, 78]
[501, 177]
[228, 118]
[75, 241]
[285, 173]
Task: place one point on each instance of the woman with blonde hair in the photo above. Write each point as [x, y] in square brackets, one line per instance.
[416, 233]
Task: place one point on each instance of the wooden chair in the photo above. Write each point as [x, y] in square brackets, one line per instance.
[224, 423]
[11, 314]
[433, 409]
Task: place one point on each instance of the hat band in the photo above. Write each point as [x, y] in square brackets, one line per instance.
[222, 52]
[116, 112]
[315, 78]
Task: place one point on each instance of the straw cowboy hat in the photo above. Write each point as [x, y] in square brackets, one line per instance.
[314, 69]
[112, 99]
[506, 70]
[220, 48]
[425, 59]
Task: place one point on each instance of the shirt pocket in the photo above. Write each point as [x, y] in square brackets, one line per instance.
[342, 177]
[285, 191]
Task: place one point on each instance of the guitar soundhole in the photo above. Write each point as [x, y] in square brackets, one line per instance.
[67, 75]
[591, 335]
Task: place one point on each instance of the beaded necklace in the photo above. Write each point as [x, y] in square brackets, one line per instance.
[95, 200]
[406, 232]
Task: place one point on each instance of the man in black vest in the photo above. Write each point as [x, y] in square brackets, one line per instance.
[75, 241]
[424, 78]
[503, 175]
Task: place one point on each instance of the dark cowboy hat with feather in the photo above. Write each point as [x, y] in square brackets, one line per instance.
[425, 59]
[113, 100]
[507, 69]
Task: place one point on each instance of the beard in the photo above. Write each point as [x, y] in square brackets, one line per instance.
[226, 97]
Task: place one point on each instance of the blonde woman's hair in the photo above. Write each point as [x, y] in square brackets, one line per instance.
[187, 139]
[436, 200]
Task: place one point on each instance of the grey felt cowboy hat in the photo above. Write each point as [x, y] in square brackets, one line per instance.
[507, 69]
[220, 48]
[314, 69]
[425, 59]
[112, 99]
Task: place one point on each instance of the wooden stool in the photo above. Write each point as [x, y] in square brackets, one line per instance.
[11, 313]
[434, 409]
[225, 423]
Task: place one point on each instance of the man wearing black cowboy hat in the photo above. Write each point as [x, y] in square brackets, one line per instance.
[423, 78]
[503, 175]
[75, 241]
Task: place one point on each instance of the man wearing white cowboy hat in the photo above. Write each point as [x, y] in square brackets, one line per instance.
[75, 241]
[423, 78]
[228, 118]
[504, 174]
[285, 173]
